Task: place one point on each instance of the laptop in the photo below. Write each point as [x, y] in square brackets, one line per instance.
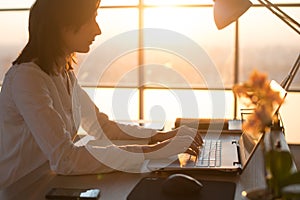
[220, 153]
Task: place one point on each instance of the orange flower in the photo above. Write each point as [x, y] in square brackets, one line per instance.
[257, 92]
[258, 80]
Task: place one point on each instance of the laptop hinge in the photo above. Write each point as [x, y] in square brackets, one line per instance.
[238, 163]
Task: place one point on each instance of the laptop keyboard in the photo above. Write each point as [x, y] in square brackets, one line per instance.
[210, 154]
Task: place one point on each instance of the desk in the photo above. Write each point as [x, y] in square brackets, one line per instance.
[117, 185]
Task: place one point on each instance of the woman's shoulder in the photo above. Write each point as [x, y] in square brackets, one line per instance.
[27, 66]
[26, 72]
[26, 69]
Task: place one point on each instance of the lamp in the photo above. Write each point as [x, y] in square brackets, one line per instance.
[289, 78]
[228, 11]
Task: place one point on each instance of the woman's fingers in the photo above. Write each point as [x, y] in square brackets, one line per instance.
[173, 146]
[189, 145]
[194, 133]
[198, 139]
[194, 149]
[192, 152]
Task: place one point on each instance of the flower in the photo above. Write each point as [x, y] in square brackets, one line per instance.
[258, 93]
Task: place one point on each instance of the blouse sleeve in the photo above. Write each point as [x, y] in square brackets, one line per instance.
[34, 98]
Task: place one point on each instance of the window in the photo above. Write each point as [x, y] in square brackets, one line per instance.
[12, 38]
[268, 44]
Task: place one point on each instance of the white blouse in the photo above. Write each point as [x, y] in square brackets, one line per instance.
[39, 116]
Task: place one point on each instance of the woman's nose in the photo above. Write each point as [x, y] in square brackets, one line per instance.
[98, 29]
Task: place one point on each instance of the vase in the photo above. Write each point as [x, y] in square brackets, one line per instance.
[278, 168]
[271, 148]
[268, 192]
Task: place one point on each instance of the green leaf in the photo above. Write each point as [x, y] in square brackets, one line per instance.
[279, 164]
[291, 180]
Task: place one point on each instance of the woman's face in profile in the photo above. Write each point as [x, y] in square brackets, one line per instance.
[81, 39]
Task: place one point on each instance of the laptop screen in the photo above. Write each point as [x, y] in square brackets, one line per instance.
[248, 142]
[282, 93]
[248, 145]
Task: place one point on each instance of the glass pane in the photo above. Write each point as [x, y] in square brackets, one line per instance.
[119, 2]
[169, 70]
[268, 44]
[163, 105]
[277, 1]
[177, 2]
[291, 118]
[16, 3]
[119, 104]
[113, 58]
[13, 37]
[187, 41]
[9, 4]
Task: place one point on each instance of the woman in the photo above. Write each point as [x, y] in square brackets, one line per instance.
[42, 105]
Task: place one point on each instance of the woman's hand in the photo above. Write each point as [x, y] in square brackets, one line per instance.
[172, 146]
[180, 131]
[194, 133]
[165, 144]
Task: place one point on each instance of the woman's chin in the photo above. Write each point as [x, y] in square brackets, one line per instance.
[84, 50]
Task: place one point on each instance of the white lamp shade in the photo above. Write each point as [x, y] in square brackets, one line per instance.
[228, 11]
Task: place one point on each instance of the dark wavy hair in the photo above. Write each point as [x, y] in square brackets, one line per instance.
[47, 19]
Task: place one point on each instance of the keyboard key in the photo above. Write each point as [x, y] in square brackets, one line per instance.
[210, 154]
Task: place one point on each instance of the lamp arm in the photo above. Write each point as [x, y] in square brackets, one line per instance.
[282, 15]
[278, 123]
[288, 80]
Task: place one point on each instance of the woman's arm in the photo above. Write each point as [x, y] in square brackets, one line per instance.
[35, 97]
[99, 125]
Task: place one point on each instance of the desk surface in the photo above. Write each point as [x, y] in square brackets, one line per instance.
[117, 185]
